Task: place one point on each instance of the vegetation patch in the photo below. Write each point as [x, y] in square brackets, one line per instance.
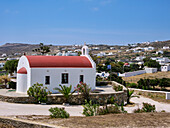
[58, 113]
[146, 108]
[39, 92]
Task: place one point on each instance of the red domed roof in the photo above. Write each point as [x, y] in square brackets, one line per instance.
[126, 64]
[59, 62]
[22, 71]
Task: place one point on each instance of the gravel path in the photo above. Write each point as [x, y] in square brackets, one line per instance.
[75, 110]
[138, 104]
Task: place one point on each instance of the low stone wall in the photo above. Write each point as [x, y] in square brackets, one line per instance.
[151, 93]
[101, 98]
[17, 99]
[6, 122]
[119, 97]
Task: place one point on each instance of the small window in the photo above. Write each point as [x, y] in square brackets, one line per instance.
[64, 78]
[47, 79]
[81, 78]
[83, 51]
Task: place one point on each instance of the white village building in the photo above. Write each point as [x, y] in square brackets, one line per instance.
[54, 70]
[165, 68]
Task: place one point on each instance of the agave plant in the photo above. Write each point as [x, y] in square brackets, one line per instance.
[129, 95]
[66, 91]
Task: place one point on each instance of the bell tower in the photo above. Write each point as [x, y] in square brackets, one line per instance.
[85, 50]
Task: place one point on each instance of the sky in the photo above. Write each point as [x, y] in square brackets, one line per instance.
[113, 22]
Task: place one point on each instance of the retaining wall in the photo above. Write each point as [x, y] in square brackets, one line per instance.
[120, 97]
[161, 94]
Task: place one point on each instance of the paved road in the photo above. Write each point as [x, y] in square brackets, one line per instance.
[33, 109]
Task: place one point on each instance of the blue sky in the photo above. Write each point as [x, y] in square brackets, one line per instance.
[78, 21]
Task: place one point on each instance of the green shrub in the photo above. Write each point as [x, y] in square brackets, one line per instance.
[146, 108]
[132, 85]
[39, 92]
[58, 113]
[109, 109]
[138, 110]
[115, 77]
[118, 88]
[12, 84]
[114, 109]
[90, 109]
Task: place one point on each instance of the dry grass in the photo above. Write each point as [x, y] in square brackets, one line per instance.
[135, 79]
[112, 120]
[4, 79]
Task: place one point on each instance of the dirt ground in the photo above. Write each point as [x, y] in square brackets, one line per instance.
[111, 120]
[135, 79]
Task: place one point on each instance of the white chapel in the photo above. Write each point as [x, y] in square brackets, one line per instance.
[54, 70]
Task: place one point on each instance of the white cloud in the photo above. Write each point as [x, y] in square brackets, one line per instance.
[8, 11]
[95, 9]
[104, 2]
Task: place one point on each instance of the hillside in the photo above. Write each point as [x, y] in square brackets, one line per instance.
[135, 79]
[160, 44]
[11, 48]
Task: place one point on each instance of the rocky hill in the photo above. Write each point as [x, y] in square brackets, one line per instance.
[11, 48]
[160, 44]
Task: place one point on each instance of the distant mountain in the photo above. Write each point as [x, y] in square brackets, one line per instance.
[160, 44]
[11, 48]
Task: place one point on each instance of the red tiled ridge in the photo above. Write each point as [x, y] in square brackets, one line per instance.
[59, 62]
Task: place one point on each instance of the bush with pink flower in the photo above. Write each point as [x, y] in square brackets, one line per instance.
[84, 90]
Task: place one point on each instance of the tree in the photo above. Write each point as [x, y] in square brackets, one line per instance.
[164, 82]
[134, 67]
[116, 68]
[154, 82]
[11, 66]
[146, 59]
[109, 60]
[42, 49]
[66, 91]
[152, 63]
[141, 84]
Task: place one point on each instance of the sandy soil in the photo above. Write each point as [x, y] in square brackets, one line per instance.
[111, 120]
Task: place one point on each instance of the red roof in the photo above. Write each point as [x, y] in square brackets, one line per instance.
[126, 64]
[59, 62]
[22, 71]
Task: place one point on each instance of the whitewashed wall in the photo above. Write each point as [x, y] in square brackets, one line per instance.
[22, 84]
[151, 70]
[165, 68]
[128, 74]
[23, 62]
[38, 75]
